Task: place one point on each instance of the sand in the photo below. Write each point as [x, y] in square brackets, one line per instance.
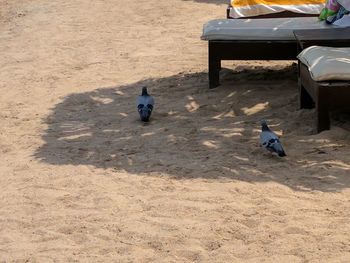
[82, 180]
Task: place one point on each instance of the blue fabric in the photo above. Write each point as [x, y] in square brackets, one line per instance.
[341, 12]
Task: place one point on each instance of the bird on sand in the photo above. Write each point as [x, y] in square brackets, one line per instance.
[270, 140]
[145, 104]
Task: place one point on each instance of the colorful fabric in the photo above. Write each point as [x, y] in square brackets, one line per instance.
[334, 10]
[341, 12]
[331, 8]
[247, 8]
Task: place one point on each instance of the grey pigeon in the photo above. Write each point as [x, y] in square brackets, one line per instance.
[270, 141]
[145, 104]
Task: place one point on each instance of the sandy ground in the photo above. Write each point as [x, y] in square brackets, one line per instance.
[82, 180]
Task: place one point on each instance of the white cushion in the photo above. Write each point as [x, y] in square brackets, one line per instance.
[327, 63]
[258, 28]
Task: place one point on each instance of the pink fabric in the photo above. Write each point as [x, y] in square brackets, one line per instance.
[333, 5]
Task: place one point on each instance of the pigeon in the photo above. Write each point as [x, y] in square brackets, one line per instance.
[145, 103]
[270, 141]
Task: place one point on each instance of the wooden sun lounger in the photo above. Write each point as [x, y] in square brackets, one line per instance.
[250, 49]
[230, 46]
[325, 96]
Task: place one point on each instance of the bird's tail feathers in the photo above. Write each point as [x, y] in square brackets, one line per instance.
[144, 91]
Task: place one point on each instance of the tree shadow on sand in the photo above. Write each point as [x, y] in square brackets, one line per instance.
[197, 132]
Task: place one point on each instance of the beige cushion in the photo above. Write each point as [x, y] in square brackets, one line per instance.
[327, 63]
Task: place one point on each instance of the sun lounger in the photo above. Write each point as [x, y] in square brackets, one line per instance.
[324, 81]
[252, 39]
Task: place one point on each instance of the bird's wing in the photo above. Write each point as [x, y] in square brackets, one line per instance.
[150, 100]
[277, 146]
[145, 100]
[271, 142]
[141, 100]
[266, 136]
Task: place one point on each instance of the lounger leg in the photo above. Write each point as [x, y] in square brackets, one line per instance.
[214, 67]
[305, 99]
[322, 119]
[214, 73]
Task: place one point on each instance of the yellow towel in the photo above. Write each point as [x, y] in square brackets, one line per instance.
[246, 8]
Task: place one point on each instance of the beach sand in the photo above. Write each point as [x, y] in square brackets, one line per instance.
[82, 180]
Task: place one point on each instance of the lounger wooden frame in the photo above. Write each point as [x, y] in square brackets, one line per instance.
[219, 50]
[325, 96]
